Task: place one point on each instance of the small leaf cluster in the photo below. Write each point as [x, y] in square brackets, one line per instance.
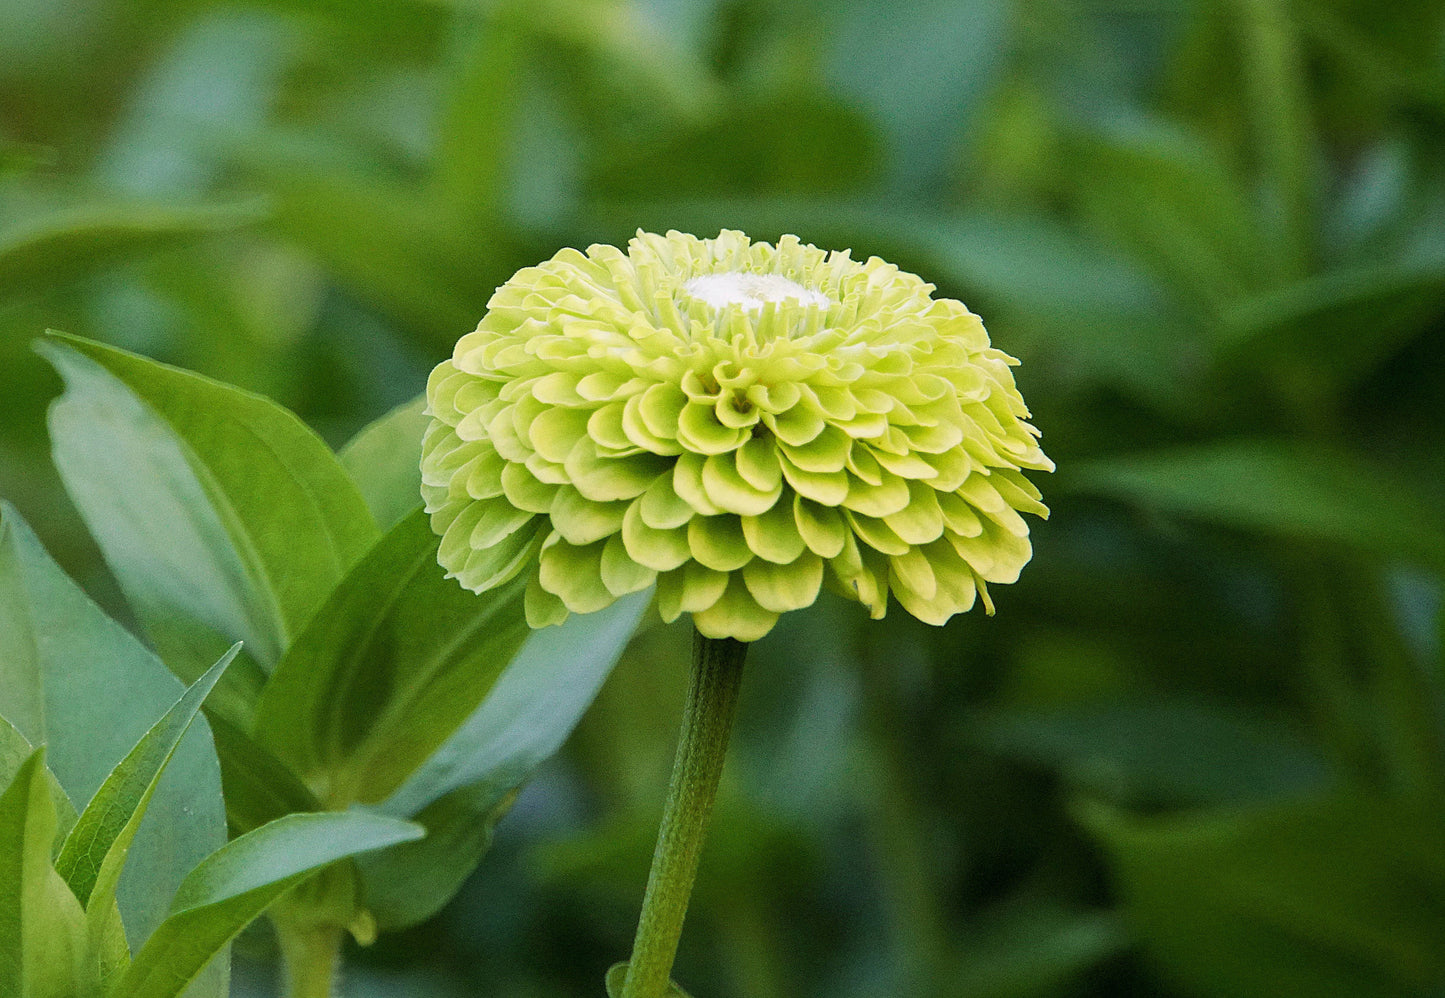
[362, 688]
[63, 934]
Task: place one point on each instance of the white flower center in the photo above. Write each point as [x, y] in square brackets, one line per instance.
[751, 291]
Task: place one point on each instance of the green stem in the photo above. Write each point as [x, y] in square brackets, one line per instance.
[712, 696]
[310, 956]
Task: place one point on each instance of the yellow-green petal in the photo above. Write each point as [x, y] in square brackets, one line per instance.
[781, 588]
[737, 420]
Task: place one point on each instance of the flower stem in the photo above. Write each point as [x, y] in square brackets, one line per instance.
[712, 696]
[310, 956]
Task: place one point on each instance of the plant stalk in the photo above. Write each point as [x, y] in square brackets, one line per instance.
[712, 696]
[310, 957]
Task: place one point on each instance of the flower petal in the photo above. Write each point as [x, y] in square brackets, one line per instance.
[781, 588]
[730, 492]
[661, 550]
[620, 573]
[821, 527]
[718, 542]
[735, 615]
[574, 574]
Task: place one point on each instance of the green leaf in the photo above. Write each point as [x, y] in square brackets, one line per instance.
[1284, 489]
[95, 850]
[240, 881]
[45, 251]
[611, 41]
[259, 787]
[1336, 328]
[1338, 898]
[43, 950]
[399, 657]
[222, 515]
[384, 459]
[75, 680]
[905, 63]
[1160, 751]
[409, 883]
[464, 787]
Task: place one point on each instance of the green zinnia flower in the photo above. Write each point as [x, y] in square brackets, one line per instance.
[739, 423]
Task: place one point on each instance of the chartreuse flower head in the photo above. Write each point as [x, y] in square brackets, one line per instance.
[738, 422]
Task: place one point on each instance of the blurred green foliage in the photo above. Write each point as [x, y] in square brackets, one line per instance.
[1200, 750]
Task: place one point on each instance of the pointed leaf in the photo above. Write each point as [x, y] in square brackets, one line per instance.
[397, 659]
[467, 784]
[258, 519]
[96, 847]
[42, 928]
[239, 882]
[384, 460]
[15, 748]
[72, 678]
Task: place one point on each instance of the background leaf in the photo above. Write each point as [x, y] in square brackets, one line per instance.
[1344, 896]
[1159, 752]
[43, 251]
[1284, 490]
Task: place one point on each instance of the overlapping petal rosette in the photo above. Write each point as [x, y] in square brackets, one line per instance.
[738, 422]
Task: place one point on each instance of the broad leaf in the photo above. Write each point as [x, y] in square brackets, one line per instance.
[259, 787]
[465, 786]
[220, 512]
[396, 660]
[240, 881]
[1340, 898]
[94, 852]
[533, 707]
[42, 928]
[72, 678]
[384, 459]
[42, 252]
[1284, 489]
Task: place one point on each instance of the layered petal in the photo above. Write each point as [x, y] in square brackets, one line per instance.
[739, 423]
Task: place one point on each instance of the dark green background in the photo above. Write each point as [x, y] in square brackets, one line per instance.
[1201, 748]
